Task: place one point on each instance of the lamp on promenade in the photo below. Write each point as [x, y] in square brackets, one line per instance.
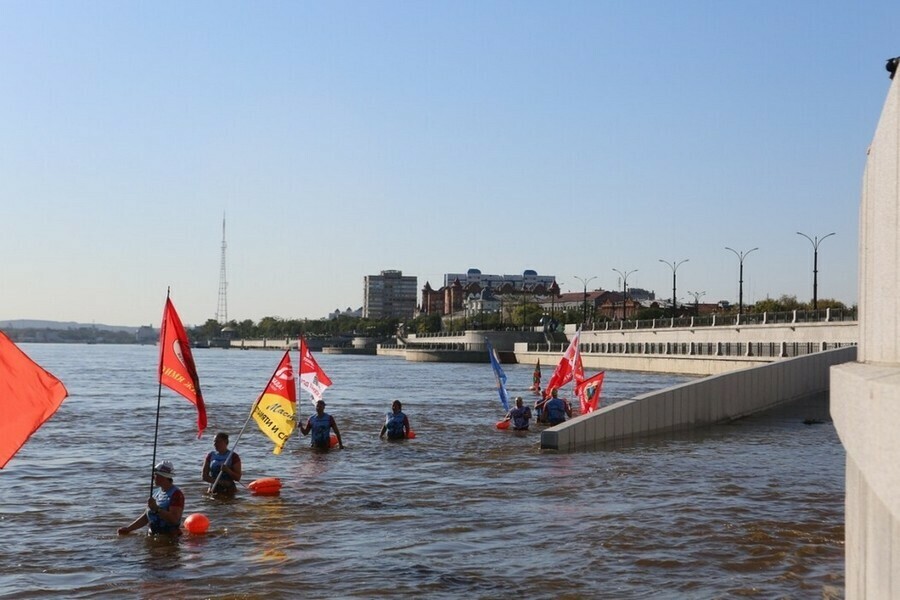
[584, 306]
[815, 241]
[523, 306]
[554, 294]
[674, 266]
[741, 256]
[697, 296]
[624, 277]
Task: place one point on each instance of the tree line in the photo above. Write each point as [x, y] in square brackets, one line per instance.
[514, 315]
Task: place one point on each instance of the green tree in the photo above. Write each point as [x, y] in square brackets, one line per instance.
[270, 327]
[430, 323]
[785, 303]
[209, 330]
[646, 314]
[831, 303]
[246, 329]
[532, 312]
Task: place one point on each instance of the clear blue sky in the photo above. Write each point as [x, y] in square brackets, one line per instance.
[345, 138]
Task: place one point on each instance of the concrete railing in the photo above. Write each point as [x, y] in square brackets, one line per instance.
[828, 315]
[715, 399]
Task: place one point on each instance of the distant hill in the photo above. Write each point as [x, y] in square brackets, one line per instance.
[61, 325]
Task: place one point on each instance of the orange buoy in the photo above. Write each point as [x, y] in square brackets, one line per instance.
[267, 486]
[197, 523]
[503, 424]
[332, 441]
[411, 435]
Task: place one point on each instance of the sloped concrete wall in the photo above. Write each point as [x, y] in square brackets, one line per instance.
[715, 399]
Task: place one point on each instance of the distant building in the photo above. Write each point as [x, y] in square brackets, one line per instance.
[348, 312]
[641, 294]
[503, 283]
[389, 294]
[463, 291]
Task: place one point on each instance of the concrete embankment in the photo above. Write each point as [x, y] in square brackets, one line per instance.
[714, 399]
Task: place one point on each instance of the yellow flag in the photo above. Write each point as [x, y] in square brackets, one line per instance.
[274, 411]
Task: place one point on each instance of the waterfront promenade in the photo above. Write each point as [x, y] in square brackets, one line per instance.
[689, 346]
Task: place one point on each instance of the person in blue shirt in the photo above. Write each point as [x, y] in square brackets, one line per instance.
[520, 415]
[321, 425]
[396, 425]
[556, 409]
[222, 461]
[164, 507]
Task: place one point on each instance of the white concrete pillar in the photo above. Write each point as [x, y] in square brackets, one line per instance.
[865, 396]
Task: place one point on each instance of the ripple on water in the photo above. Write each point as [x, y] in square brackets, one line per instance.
[754, 509]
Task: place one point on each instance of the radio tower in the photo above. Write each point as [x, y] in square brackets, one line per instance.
[222, 307]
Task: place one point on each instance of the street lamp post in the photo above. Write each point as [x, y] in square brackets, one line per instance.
[523, 306]
[584, 306]
[674, 266]
[741, 256]
[697, 296]
[554, 294]
[624, 277]
[815, 241]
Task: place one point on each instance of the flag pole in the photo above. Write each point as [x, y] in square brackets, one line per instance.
[297, 418]
[162, 340]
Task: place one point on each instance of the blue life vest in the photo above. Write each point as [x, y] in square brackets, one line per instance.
[163, 499]
[519, 417]
[321, 427]
[216, 460]
[394, 425]
[556, 411]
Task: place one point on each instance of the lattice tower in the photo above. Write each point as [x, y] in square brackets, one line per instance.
[222, 307]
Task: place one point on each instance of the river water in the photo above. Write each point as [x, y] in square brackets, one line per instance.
[752, 509]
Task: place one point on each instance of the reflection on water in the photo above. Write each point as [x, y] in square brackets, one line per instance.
[754, 508]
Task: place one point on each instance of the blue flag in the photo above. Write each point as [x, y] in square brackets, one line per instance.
[498, 374]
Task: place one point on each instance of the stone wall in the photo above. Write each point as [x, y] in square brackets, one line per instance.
[715, 399]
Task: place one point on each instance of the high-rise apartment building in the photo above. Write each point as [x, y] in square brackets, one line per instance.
[390, 295]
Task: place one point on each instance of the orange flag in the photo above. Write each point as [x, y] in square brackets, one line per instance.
[176, 364]
[29, 395]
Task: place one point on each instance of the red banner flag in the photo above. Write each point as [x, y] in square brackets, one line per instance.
[29, 396]
[569, 367]
[176, 364]
[588, 392]
[312, 378]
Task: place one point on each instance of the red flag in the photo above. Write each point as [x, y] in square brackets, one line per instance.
[312, 378]
[29, 396]
[569, 367]
[588, 392]
[176, 364]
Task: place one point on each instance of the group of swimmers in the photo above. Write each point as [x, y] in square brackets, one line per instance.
[222, 469]
[550, 411]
